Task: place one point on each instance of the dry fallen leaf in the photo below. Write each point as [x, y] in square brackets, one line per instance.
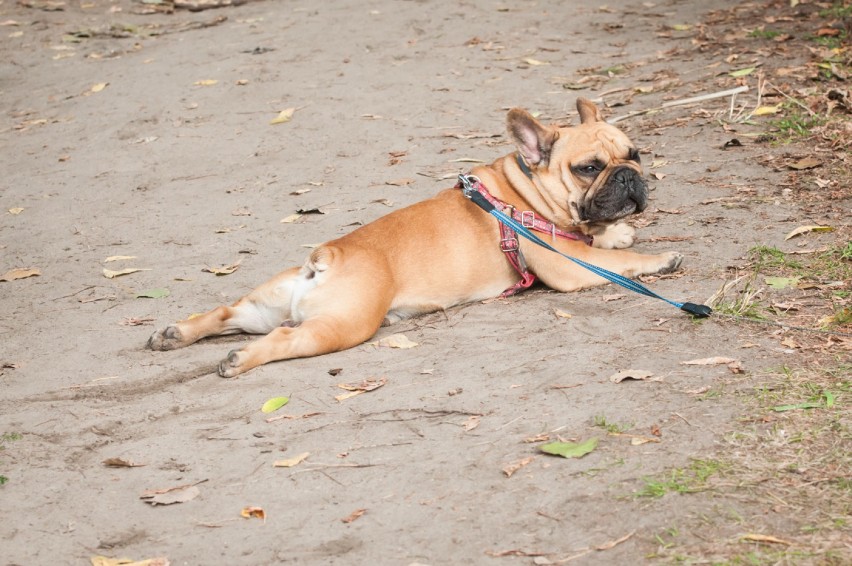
[471, 423]
[765, 538]
[638, 374]
[290, 219]
[714, 361]
[119, 258]
[224, 270]
[120, 463]
[20, 273]
[400, 182]
[98, 87]
[253, 512]
[354, 515]
[17, 210]
[805, 229]
[290, 462]
[206, 82]
[513, 467]
[358, 388]
[535, 62]
[806, 163]
[106, 561]
[561, 314]
[110, 274]
[283, 116]
[170, 495]
[396, 341]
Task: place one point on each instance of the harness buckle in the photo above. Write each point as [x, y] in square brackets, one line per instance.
[528, 219]
[508, 245]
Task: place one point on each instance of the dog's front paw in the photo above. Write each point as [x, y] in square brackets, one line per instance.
[232, 365]
[616, 236]
[168, 338]
[671, 261]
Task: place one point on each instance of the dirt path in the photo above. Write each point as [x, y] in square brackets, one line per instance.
[150, 136]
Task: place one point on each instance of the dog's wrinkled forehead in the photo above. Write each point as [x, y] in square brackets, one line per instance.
[602, 142]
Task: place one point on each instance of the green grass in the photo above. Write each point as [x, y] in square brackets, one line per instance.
[764, 34]
[682, 480]
[612, 428]
[5, 438]
[795, 126]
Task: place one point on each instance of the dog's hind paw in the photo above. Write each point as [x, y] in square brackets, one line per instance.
[232, 365]
[168, 338]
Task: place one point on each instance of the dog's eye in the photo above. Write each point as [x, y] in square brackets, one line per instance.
[588, 169]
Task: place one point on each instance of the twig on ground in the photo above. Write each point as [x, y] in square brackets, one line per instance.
[681, 102]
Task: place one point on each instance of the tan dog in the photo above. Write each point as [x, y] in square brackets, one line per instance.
[445, 251]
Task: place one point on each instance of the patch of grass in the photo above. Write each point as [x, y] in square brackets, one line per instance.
[767, 257]
[764, 34]
[839, 10]
[692, 479]
[5, 438]
[796, 126]
[9, 437]
[612, 428]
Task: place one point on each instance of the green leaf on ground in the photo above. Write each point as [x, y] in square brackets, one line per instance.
[805, 405]
[782, 282]
[569, 449]
[274, 404]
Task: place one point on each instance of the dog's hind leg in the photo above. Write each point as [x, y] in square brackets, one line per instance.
[262, 310]
[340, 303]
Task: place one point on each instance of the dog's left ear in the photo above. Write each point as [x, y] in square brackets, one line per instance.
[534, 141]
[588, 111]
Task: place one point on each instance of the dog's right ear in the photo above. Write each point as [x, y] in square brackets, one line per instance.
[533, 140]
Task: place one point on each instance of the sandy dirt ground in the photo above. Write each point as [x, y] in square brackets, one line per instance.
[149, 135]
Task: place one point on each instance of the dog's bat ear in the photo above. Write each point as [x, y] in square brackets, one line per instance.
[533, 140]
[588, 111]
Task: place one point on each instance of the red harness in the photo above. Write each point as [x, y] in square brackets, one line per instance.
[509, 238]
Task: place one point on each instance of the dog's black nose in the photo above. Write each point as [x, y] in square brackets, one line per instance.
[632, 186]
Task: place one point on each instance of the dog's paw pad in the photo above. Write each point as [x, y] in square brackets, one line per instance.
[168, 338]
[673, 261]
[231, 365]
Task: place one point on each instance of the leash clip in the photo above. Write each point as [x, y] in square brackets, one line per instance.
[466, 182]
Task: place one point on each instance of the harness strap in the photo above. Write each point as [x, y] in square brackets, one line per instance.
[509, 243]
[510, 246]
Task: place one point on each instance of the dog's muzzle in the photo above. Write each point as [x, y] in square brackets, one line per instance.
[622, 194]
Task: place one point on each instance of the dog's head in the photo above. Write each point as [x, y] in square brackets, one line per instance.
[591, 171]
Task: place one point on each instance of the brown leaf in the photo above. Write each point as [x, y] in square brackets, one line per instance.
[400, 182]
[253, 513]
[120, 463]
[655, 430]
[224, 270]
[714, 361]
[110, 274]
[21, 273]
[765, 538]
[359, 388]
[513, 467]
[396, 341]
[638, 374]
[806, 163]
[170, 495]
[290, 462]
[354, 515]
[471, 423]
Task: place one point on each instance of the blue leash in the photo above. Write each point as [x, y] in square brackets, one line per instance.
[699, 311]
